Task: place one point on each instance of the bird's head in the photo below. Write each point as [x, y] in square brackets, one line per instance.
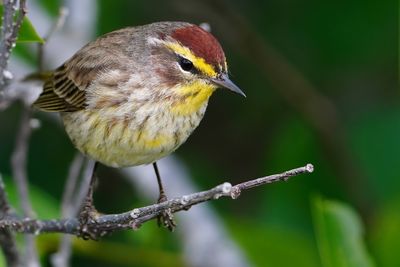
[193, 63]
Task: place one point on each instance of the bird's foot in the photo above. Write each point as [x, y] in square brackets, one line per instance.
[166, 218]
[87, 216]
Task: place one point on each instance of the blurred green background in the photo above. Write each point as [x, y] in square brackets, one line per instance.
[321, 80]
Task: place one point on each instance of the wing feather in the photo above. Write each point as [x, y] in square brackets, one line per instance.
[65, 90]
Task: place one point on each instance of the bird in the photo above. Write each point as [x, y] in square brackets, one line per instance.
[134, 95]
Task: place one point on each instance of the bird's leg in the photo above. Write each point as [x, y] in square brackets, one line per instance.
[88, 212]
[166, 218]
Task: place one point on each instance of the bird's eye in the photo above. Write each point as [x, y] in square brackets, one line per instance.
[185, 64]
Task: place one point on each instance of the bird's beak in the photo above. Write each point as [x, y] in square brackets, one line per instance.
[224, 82]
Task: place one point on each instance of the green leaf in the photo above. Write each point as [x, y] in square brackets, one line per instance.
[270, 244]
[2, 260]
[339, 234]
[27, 33]
[385, 234]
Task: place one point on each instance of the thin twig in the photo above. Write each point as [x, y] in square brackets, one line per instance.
[18, 162]
[62, 256]
[19, 166]
[72, 204]
[85, 184]
[7, 238]
[67, 203]
[59, 23]
[133, 219]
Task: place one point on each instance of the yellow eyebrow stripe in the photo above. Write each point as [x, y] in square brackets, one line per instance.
[198, 62]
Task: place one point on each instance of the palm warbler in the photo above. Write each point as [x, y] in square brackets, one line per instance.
[135, 95]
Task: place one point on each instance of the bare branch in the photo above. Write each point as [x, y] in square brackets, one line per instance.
[237, 189]
[9, 33]
[133, 219]
[7, 239]
[12, 18]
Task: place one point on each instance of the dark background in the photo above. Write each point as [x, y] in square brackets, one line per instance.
[322, 86]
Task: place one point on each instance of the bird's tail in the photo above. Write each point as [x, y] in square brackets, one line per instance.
[38, 76]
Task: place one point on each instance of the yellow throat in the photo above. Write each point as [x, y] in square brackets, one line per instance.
[193, 97]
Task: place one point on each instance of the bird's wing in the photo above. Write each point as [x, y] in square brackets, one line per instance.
[61, 93]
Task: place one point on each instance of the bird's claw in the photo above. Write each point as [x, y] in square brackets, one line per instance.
[166, 218]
